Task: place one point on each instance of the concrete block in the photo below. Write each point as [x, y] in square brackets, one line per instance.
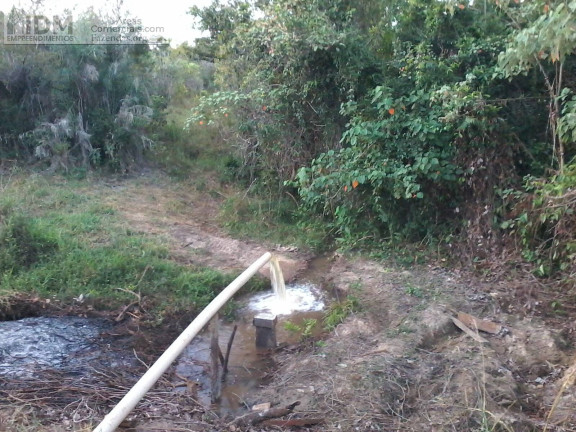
[265, 330]
[265, 320]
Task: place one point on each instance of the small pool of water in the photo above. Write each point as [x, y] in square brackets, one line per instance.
[248, 365]
[31, 345]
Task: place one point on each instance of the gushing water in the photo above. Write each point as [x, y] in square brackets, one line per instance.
[283, 301]
[301, 297]
[248, 367]
[277, 278]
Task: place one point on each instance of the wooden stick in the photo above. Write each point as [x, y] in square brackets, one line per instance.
[469, 332]
[124, 310]
[253, 418]
[228, 349]
[217, 359]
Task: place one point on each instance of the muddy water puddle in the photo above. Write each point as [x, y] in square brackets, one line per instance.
[248, 366]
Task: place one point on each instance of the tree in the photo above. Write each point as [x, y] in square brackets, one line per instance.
[427, 145]
[78, 105]
[221, 21]
[285, 75]
[544, 38]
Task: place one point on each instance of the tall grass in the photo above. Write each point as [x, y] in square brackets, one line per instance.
[189, 153]
[273, 219]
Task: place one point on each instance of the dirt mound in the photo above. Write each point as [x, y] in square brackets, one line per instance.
[402, 364]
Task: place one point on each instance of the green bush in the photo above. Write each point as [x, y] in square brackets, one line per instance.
[544, 220]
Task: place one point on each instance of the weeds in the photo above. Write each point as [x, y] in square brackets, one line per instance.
[414, 291]
[187, 153]
[198, 154]
[304, 330]
[489, 421]
[272, 219]
[24, 243]
[338, 312]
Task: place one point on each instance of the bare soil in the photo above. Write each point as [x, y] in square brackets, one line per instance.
[400, 364]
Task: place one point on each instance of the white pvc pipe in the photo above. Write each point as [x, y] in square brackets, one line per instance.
[131, 399]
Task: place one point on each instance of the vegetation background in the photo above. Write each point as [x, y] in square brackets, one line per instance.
[440, 127]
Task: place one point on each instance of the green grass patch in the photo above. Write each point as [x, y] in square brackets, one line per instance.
[414, 291]
[57, 240]
[186, 154]
[24, 243]
[339, 311]
[305, 330]
[275, 220]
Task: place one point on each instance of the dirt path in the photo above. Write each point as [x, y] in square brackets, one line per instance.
[400, 363]
[187, 221]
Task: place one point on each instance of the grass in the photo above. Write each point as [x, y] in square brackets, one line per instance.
[489, 421]
[305, 330]
[271, 219]
[414, 291]
[190, 153]
[339, 311]
[58, 241]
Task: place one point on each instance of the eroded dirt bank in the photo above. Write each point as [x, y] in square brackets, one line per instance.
[399, 364]
[402, 364]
